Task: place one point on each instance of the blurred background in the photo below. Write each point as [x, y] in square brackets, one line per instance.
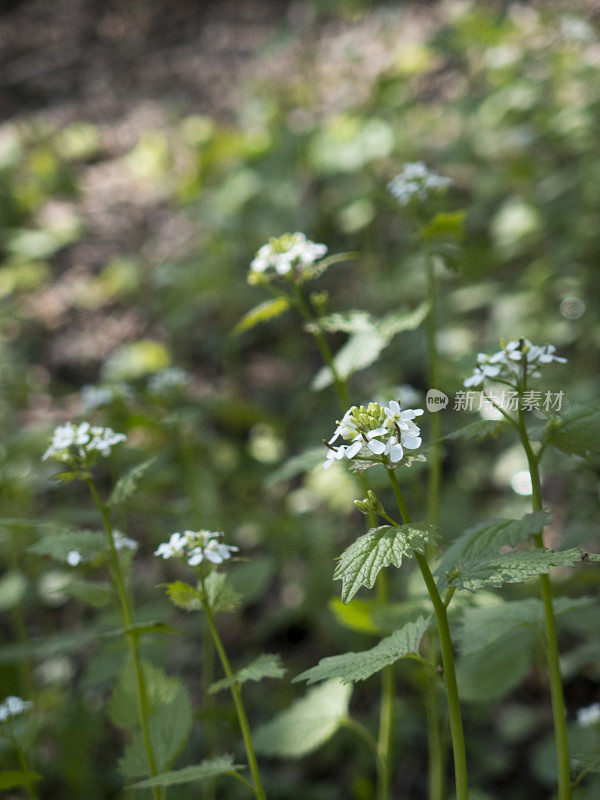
[147, 149]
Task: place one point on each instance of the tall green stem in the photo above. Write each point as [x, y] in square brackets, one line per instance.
[386, 713]
[435, 744]
[21, 757]
[132, 640]
[456, 726]
[236, 694]
[552, 653]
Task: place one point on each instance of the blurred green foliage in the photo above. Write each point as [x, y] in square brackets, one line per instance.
[505, 102]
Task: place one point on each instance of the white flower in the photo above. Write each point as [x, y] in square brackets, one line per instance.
[74, 558]
[589, 716]
[507, 364]
[416, 182]
[13, 706]
[292, 251]
[70, 441]
[375, 431]
[123, 542]
[196, 547]
[168, 380]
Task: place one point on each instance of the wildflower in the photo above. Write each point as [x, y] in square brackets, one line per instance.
[589, 716]
[123, 542]
[286, 255]
[74, 558]
[13, 706]
[71, 442]
[168, 380]
[376, 433]
[416, 182]
[196, 547]
[508, 365]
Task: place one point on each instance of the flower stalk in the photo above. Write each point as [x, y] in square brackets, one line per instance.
[132, 640]
[236, 695]
[456, 726]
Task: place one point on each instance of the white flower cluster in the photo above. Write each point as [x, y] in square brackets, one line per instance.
[381, 431]
[13, 706]
[81, 439]
[586, 717]
[74, 557]
[283, 255]
[168, 380]
[416, 182]
[508, 364]
[196, 547]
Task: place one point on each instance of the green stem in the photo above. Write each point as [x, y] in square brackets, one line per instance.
[386, 713]
[365, 734]
[236, 694]
[456, 727]
[435, 745]
[552, 653]
[341, 387]
[21, 758]
[132, 639]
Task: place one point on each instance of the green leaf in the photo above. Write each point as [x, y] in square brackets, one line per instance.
[346, 322]
[364, 346]
[577, 432]
[184, 596]
[297, 465]
[220, 594]
[493, 671]
[307, 724]
[445, 225]
[360, 563]
[513, 568]
[91, 592]
[212, 768]
[128, 484]
[249, 580]
[348, 667]
[10, 778]
[487, 538]
[265, 666]
[482, 626]
[357, 615]
[13, 588]
[262, 313]
[480, 429]
[169, 720]
[589, 761]
[89, 544]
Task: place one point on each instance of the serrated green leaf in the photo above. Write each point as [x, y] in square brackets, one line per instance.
[220, 594]
[360, 563]
[211, 768]
[487, 538]
[364, 346]
[482, 626]
[263, 312]
[579, 431]
[128, 484]
[89, 544]
[13, 587]
[445, 225]
[591, 556]
[307, 724]
[91, 592]
[513, 568]
[349, 667]
[10, 778]
[265, 666]
[480, 429]
[184, 596]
